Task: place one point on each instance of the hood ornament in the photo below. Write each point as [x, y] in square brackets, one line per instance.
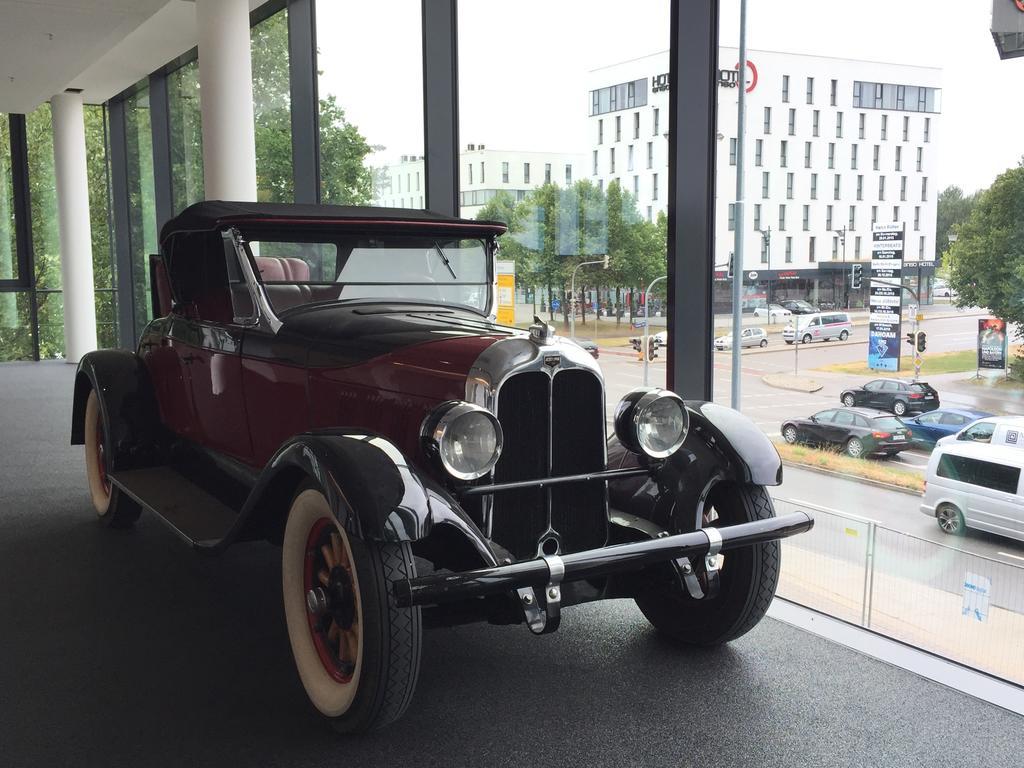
[540, 332]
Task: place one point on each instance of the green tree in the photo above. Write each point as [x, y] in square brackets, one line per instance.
[987, 259]
[953, 208]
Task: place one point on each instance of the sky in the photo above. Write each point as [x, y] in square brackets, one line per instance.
[523, 66]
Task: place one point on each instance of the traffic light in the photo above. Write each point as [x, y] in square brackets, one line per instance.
[910, 339]
[855, 276]
[922, 340]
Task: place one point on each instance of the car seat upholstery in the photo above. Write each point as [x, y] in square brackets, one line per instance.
[279, 275]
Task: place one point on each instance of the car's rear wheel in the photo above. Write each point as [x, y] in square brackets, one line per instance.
[789, 434]
[849, 400]
[844, 335]
[357, 654]
[114, 509]
[764, 343]
[747, 578]
[855, 447]
[950, 519]
[899, 407]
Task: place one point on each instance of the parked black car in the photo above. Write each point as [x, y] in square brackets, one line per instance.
[893, 395]
[799, 306]
[860, 431]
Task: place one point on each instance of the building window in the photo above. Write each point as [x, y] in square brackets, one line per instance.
[807, 218]
[789, 186]
[650, 154]
[901, 97]
[853, 157]
[629, 158]
[767, 120]
[885, 127]
[792, 122]
[764, 251]
[810, 249]
[899, 158]
[856, 247]
[526, 169]
[468, 165]
[876, 154]
[758, 151]
[595, 163]
[657, 115]
[835, 248]
[839, 125]
[764, 185]
[917, 218]
[828, 218]
[831, 155]
[861, 125]
[832, 92]
[785, 89]
[636, 186]
[398, 179]
[650, 213]
[757, 216]
[927, 129]
[636, 125]
[860, 186]
[920, 248]
[732, 151]
[783, 152]
[789, 250]
[852, 224]
[568, 175]
[611, 160]
[418, 183]
[895, 213]
[836, 185]
[620, 96]
[810, 90]
[732, 217]
[881, 188]
[483, 179]
[920, 157]
[600, 131]
[618, 127]
[906, 128]
[782, 217]
[874, 214]
[807, 154]
[815, 123]
[814, 186]
[924, 188]
[547, 169]
[600, 185]
[504, 172]
[903, 187]
[654, 186]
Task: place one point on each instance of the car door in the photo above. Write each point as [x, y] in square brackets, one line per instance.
[746, 337]
[998, 507]
[926, 426]
[871, 394]
[162, 350]
[888, 394]
[817, 428]
[947, 424]
[841, 428]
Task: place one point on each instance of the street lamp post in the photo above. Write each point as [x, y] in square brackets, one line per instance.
[572, 294]
[647, 323]
[846, 278]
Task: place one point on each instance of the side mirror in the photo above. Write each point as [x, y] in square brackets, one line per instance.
[964, 436]
[814, 419]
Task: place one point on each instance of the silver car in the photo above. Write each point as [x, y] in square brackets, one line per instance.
[751, 337]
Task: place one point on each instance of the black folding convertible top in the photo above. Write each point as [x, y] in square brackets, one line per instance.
[211, 215]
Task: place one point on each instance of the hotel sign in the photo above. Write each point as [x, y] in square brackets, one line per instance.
[727, 78]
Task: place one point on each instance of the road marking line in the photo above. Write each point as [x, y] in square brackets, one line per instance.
[1007, 554]
[840, 512]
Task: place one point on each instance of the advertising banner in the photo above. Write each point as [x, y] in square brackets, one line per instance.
[991, 343]
[886, 302]
[506, 298]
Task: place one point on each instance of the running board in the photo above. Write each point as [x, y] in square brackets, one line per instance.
[199, 518]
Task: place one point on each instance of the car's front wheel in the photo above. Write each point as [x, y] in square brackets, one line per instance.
[357, 654]
[747, 578]
[806, 339]
[849, 400]
[764, 343]
[789, 434]
[114, 509]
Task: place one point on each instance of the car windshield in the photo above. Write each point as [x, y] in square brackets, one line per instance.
[390, 267]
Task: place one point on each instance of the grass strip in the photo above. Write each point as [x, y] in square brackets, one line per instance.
[932, 364]
[870, 469]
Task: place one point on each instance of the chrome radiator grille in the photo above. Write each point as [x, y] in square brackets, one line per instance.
[552, 426]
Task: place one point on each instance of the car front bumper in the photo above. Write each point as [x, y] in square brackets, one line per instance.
[542, 572]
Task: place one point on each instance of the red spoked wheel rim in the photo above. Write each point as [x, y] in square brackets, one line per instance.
[335, 629]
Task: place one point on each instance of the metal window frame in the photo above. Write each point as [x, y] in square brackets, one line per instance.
[22, 209]
[305, 100]
[441, 104]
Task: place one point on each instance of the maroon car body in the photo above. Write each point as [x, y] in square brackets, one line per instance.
[301, 383]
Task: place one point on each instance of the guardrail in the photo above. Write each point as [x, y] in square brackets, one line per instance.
[964, 607]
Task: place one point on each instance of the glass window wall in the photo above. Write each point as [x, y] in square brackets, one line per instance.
[272, 107]
[186, 136]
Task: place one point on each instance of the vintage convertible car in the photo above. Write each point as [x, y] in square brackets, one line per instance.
[331, 379]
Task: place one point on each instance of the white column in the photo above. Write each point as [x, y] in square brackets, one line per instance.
[225, 99]
[75, 230]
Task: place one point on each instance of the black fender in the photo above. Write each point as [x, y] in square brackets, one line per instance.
[127, 402]
[373, 491]
[722, 445]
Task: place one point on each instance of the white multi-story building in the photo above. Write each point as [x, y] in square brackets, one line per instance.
[482, 174]
[831, 146]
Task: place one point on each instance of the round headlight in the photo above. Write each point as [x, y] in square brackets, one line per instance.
[465, 438]
[652, 421]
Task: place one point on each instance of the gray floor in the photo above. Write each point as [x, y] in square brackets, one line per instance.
[125, 648]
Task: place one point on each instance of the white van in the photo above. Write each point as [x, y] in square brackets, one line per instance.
[972, 485]
[820, 326]
[992, 430]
